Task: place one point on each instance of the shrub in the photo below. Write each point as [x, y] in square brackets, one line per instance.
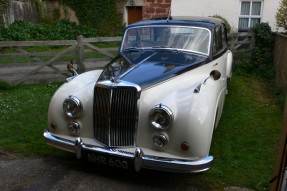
[58, 30]
[227, 25]
[281, 15]
[5, 85]
[262, 53]
[264, 37]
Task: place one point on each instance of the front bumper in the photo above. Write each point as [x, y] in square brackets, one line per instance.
[140, 160]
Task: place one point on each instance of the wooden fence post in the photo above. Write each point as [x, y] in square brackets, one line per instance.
[80, 54]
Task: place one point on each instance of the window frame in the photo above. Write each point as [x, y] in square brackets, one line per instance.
[249, 16]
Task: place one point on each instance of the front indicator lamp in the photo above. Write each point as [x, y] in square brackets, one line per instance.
[72, 107]
[53, 125]
[159, 140]
[161, 117]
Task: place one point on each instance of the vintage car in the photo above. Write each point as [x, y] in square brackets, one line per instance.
[155, 105]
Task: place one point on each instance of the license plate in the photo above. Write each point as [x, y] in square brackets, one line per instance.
[107, 160]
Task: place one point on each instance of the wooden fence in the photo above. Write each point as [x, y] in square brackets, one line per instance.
[46, 66]
[279, 179]
[280, 59]
[280, 65]
[243, 41]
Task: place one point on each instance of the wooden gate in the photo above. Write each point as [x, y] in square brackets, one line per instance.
[51, 66]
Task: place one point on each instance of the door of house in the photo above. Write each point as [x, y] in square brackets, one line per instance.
[134, 14]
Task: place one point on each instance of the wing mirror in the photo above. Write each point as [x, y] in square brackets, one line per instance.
[215, 74]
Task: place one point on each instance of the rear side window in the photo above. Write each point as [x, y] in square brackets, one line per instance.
[220, 39]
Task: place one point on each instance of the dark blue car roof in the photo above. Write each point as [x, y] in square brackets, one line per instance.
[207, 22]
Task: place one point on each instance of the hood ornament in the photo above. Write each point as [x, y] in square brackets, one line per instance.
[115, 80]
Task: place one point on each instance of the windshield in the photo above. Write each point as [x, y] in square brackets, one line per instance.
[192, 39]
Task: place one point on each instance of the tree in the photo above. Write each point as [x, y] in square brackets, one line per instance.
[281, 15]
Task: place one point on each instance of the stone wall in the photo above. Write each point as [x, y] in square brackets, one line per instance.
[156, 8]
[37, 11]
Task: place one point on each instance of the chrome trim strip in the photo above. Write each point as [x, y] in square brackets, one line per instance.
[140, 159]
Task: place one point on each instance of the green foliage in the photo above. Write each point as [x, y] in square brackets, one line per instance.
[59, 30]
[252, 112]
[227, 25]
[101, 14]
[281, 15]
[4, 85]
[3, 6]
[264, 37]
[262, 53]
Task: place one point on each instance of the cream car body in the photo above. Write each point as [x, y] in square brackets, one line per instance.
[176, 108]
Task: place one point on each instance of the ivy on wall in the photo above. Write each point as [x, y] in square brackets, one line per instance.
[102, 14]
[3, 6]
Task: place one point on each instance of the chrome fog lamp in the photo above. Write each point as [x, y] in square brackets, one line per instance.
[74, 128]
[161, 117]
[72, 106]
[159, 140]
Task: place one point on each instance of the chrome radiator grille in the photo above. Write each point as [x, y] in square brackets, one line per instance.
[115, 115]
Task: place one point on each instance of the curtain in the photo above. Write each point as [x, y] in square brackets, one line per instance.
[256, 8]
[245, 8]
[243, 23]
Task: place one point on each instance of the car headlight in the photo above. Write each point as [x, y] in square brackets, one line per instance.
[161, 117]
[72, 106]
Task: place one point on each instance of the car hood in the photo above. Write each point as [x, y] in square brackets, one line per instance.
[151, 67]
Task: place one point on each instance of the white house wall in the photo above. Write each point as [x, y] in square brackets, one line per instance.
[228, 9]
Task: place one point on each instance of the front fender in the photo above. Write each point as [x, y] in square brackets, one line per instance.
[229, 63]
[194, 113]
[82, 86]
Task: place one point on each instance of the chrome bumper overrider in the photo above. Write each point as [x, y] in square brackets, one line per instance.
[140, 160]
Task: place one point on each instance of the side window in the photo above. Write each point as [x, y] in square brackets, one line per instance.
[224, 36]
[217, 43]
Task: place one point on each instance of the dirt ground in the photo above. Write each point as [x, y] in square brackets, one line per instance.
[19, 173]
[33, 174]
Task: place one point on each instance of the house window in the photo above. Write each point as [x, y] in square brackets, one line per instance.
[250, 14]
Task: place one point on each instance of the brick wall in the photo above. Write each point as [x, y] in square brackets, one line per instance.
[156, 8]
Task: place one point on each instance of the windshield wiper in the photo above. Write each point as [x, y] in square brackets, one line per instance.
[161, 46]
[133, 49]
[167, 48]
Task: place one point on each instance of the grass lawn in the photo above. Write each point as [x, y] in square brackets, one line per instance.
[244, 144]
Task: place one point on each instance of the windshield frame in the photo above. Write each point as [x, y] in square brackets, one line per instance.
[167, 48]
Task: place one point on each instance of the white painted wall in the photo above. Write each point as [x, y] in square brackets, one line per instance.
[228, 9]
